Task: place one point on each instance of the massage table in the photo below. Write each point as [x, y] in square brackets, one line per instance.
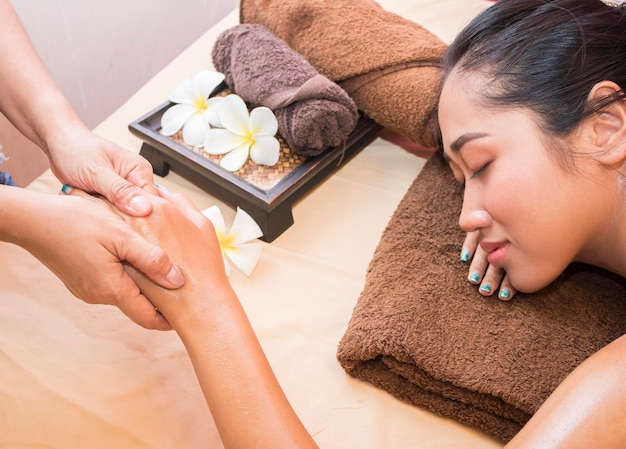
[74, 375]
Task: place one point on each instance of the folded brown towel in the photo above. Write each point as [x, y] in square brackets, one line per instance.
[388, 64]
[421, 332]
[313, 112]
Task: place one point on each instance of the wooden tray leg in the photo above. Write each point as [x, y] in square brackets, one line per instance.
[159, 166]
[272, 223]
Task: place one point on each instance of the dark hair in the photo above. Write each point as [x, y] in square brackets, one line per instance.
[544, 56]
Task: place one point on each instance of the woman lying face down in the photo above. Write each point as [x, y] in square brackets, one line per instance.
[532, 117]
[533, 122]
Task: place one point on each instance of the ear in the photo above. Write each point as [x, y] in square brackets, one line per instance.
[606, 129]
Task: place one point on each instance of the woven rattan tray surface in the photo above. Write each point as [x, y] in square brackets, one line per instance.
[266, 193]
[258, 175]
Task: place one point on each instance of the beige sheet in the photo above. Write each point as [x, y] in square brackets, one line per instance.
[74, 375]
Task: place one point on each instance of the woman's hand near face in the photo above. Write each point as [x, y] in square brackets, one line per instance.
[487, 277]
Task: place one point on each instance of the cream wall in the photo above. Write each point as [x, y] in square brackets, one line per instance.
[100, 52]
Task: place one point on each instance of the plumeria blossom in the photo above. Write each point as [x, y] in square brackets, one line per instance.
[194, 110]
[243, 134]
[234, 242]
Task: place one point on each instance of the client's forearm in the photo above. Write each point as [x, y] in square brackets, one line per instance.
[246, 401]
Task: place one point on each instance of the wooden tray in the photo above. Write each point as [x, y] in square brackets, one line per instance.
[266, 193]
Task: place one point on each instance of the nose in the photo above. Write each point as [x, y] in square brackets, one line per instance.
[473, 215]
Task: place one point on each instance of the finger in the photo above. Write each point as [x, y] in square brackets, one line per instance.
[140, 310]
[478, 266]
[95, 198]
[150, 259]
[125, 195]
[152, 291]
[491, 280]
[469, 246]
[179, 199]
[139, 252]
[507, 291]
[186, 206]
[67, 189]
[142, 176]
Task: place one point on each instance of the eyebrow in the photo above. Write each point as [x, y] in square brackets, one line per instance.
[465, 138]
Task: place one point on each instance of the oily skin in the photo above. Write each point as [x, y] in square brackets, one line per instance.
[246, 401]
[586, 410]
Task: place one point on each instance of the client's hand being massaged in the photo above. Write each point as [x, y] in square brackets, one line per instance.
[236, 378]
[176, 224]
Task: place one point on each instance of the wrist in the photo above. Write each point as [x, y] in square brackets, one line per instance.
[21, 215]
[192, 315]
[52, 132]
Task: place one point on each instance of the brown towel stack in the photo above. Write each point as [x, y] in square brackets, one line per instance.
[388, 64]
[421, 332]
[313, 112]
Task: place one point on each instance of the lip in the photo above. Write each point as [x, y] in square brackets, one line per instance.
[496, 252]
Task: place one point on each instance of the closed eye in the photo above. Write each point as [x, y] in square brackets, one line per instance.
[475, 174]
[480, 171]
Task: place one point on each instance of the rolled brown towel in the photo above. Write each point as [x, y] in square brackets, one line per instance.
[389, 65]
[313, 112]
[423, 333]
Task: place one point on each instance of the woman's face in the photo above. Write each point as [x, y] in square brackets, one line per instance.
[526, 208]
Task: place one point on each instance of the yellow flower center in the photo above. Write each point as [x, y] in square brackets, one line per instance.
[200, 105]
[249, 138]
[228, 242]
[225, 241]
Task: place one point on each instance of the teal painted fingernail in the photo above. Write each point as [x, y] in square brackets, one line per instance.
[66, 189]
[465, 255]
[160, 186]
[474, 277]
[485, 288]
[505, 293]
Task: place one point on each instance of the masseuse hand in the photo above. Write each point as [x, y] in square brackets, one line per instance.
[83, 245]
[195, 248]
[487, 277]
[87, 246]
[247, 404]
[83, 160]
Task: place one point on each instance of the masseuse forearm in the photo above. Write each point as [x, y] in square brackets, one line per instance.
[30, 98]
[19, 213]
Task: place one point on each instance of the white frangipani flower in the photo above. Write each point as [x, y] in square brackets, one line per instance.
[233, 242]
[244, 134]
[194, 110]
